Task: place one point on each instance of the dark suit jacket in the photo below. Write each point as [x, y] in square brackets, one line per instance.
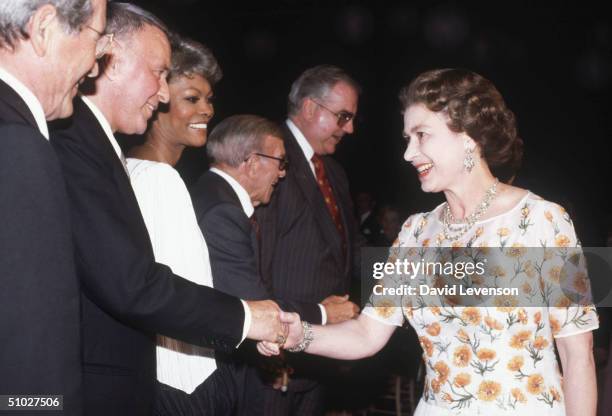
[127, 297]
[301, 248]
[39, 293]
[233, 247]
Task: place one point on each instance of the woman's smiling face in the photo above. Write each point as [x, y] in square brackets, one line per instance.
[433, 149]
[190, 110]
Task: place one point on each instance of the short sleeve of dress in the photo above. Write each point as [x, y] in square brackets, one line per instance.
[565, 267]
[388, 309]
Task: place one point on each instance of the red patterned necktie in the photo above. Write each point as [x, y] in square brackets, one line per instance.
[328, 194]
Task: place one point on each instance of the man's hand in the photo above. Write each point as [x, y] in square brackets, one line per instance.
[339, 309]
[265, 322]
[295, 335]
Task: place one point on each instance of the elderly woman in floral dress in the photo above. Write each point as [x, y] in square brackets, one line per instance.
[479, 360]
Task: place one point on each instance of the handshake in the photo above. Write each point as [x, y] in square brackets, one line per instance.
[276, 329]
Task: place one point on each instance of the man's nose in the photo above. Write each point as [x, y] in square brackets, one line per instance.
[164, 91]
[349, 127]
[95, 70]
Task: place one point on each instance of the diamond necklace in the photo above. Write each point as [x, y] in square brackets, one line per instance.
[460, 228]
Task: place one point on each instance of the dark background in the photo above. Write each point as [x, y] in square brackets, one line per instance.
[552, 63]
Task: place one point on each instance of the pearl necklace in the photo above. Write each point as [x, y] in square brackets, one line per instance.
[463, 226]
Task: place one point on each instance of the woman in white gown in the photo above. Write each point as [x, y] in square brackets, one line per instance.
[479, 360]
[169, 216]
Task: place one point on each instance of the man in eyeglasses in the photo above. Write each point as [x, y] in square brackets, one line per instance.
[248, 161]
[128, 298]
[308, 229]
[46, 48]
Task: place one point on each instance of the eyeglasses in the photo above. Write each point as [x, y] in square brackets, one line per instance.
[104, 42]
[344, 117]
[283, 163]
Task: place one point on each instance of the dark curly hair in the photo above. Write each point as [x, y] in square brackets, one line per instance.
[473, 105]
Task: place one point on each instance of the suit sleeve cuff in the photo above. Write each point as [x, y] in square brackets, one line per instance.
[247, 322]
[323, 314]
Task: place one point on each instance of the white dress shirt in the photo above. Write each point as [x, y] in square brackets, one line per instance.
[308, 154]
[243, 195]
[30, 99]
[107, 130]
[303, 143]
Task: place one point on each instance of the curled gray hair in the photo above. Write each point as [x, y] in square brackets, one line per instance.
[191, 58]
[15, 15]
[233, 140]
[124, 19]
[316, 83]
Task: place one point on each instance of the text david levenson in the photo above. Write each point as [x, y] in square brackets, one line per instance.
[425, 290]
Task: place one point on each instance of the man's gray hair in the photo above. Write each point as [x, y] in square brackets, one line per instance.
[124, 19]
[15, 15]
[191, 58]
[316, 83]
[233, 140]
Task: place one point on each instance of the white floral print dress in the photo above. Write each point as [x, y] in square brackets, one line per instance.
[495, 360]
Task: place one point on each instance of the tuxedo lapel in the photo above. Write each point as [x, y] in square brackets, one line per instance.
[103, 146]
[308, 185]
[12, 107]
[227, 194]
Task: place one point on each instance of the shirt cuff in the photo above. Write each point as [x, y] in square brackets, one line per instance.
[247, 322]
[323, 314]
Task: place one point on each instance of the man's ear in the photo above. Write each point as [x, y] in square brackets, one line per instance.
[250, 166]
[43, 28]
[308, 108]
[109, 65]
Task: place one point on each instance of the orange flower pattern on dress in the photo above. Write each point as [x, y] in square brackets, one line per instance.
[433, 329]
[519, 339]
[471, 315]
[462, 356]
[385, 308]
[462, 380]
[489, 390]
[535, 384]
[518, 395]
[442, 371]
[516, 363]
[427, 345]
[486, 354]
[499, 357]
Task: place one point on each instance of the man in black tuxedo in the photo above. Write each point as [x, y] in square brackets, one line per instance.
[127, 297]
[248, 160]
[246, 154]
[308, 230]
[45, 51]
